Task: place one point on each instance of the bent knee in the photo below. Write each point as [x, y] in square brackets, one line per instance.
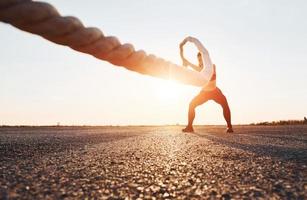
[192, 105]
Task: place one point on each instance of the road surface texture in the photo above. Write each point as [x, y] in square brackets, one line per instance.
[257, 162]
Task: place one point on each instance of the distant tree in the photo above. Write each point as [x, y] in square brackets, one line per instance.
[282, 122]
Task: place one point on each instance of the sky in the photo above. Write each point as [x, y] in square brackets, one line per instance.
[258, 46]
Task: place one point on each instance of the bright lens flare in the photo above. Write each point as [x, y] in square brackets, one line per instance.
[167, 91]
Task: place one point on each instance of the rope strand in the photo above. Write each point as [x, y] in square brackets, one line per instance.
[43, 19]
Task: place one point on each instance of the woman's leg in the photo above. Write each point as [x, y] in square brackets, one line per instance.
[221, 99]
[201, 98]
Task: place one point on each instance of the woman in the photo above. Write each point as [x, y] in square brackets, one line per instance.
[209, 90]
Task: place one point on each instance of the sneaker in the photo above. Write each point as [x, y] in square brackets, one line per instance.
[188, 130]
[229, 130]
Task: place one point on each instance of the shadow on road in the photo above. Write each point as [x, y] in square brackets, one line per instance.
[267, 148]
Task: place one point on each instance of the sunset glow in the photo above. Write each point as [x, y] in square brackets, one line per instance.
[153, 99]
[259, 51]
[168, 91]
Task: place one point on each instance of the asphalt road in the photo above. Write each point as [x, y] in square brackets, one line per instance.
[153, 162]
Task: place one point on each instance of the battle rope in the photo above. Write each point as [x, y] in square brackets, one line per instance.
[43, 19]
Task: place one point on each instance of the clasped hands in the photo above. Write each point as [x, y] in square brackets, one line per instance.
[185, 62]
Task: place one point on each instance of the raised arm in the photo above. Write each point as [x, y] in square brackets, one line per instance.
[197, 43]
[208, 65]
[185, 62]
[195, 67]
[181, 53]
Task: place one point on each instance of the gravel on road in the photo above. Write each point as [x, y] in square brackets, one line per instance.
[153, 162]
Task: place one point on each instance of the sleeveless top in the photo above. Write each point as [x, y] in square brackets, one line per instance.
[211, 85]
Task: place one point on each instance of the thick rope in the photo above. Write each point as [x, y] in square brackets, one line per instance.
[43, 19]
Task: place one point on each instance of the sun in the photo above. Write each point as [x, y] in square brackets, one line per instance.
[167, 91]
